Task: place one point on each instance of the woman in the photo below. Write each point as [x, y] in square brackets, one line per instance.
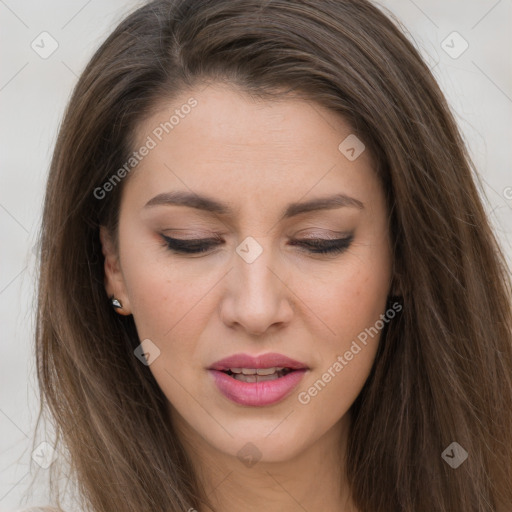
[267, 278]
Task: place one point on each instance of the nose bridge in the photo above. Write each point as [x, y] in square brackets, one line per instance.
[258, 291]
[253, 269]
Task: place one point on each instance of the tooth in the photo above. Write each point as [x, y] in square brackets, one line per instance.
[266, 371]
[263, 378]
[247, 378]
[254, 378]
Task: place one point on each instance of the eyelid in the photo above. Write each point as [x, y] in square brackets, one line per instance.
[314, 246]
[195, 236]
[338, 235]
[323, 235]
[303, 233]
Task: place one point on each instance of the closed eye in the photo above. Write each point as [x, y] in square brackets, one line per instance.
[325, 246]
[312, 245]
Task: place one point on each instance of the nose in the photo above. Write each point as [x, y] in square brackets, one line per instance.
[257, 297]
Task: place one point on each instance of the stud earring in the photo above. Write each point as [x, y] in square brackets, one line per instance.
[116, 303]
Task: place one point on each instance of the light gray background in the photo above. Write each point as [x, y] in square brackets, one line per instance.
[33, 95]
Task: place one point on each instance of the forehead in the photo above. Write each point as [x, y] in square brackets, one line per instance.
[239, 147]
[231, 119]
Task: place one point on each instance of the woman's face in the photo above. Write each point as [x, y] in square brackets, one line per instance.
[278, 187]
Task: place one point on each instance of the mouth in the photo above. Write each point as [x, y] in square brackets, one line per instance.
[257, 381]
[257, 374]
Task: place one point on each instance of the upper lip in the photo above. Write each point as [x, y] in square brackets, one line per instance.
[269, 360]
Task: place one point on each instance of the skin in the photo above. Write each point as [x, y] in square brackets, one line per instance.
[257, 156]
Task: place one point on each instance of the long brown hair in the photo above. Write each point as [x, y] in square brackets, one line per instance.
[443, 370]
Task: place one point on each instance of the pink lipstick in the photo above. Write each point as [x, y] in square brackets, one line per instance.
[257, 381]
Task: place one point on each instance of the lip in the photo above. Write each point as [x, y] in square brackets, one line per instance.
[262, 361]
[257, 394]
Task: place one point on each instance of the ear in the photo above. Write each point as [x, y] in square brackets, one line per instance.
[114, 280]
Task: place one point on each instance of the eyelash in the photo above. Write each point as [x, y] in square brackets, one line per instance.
[320, 246]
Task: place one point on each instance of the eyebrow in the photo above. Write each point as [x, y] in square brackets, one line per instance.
[205, 203]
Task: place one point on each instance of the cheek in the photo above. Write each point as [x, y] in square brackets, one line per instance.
[161, 293]
[346, 358]
[350, 303]
[151, 298]
[350, 299]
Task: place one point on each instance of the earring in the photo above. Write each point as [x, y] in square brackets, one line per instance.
[116, 303]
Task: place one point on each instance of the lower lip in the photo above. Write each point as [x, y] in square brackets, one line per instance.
[257, 394]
